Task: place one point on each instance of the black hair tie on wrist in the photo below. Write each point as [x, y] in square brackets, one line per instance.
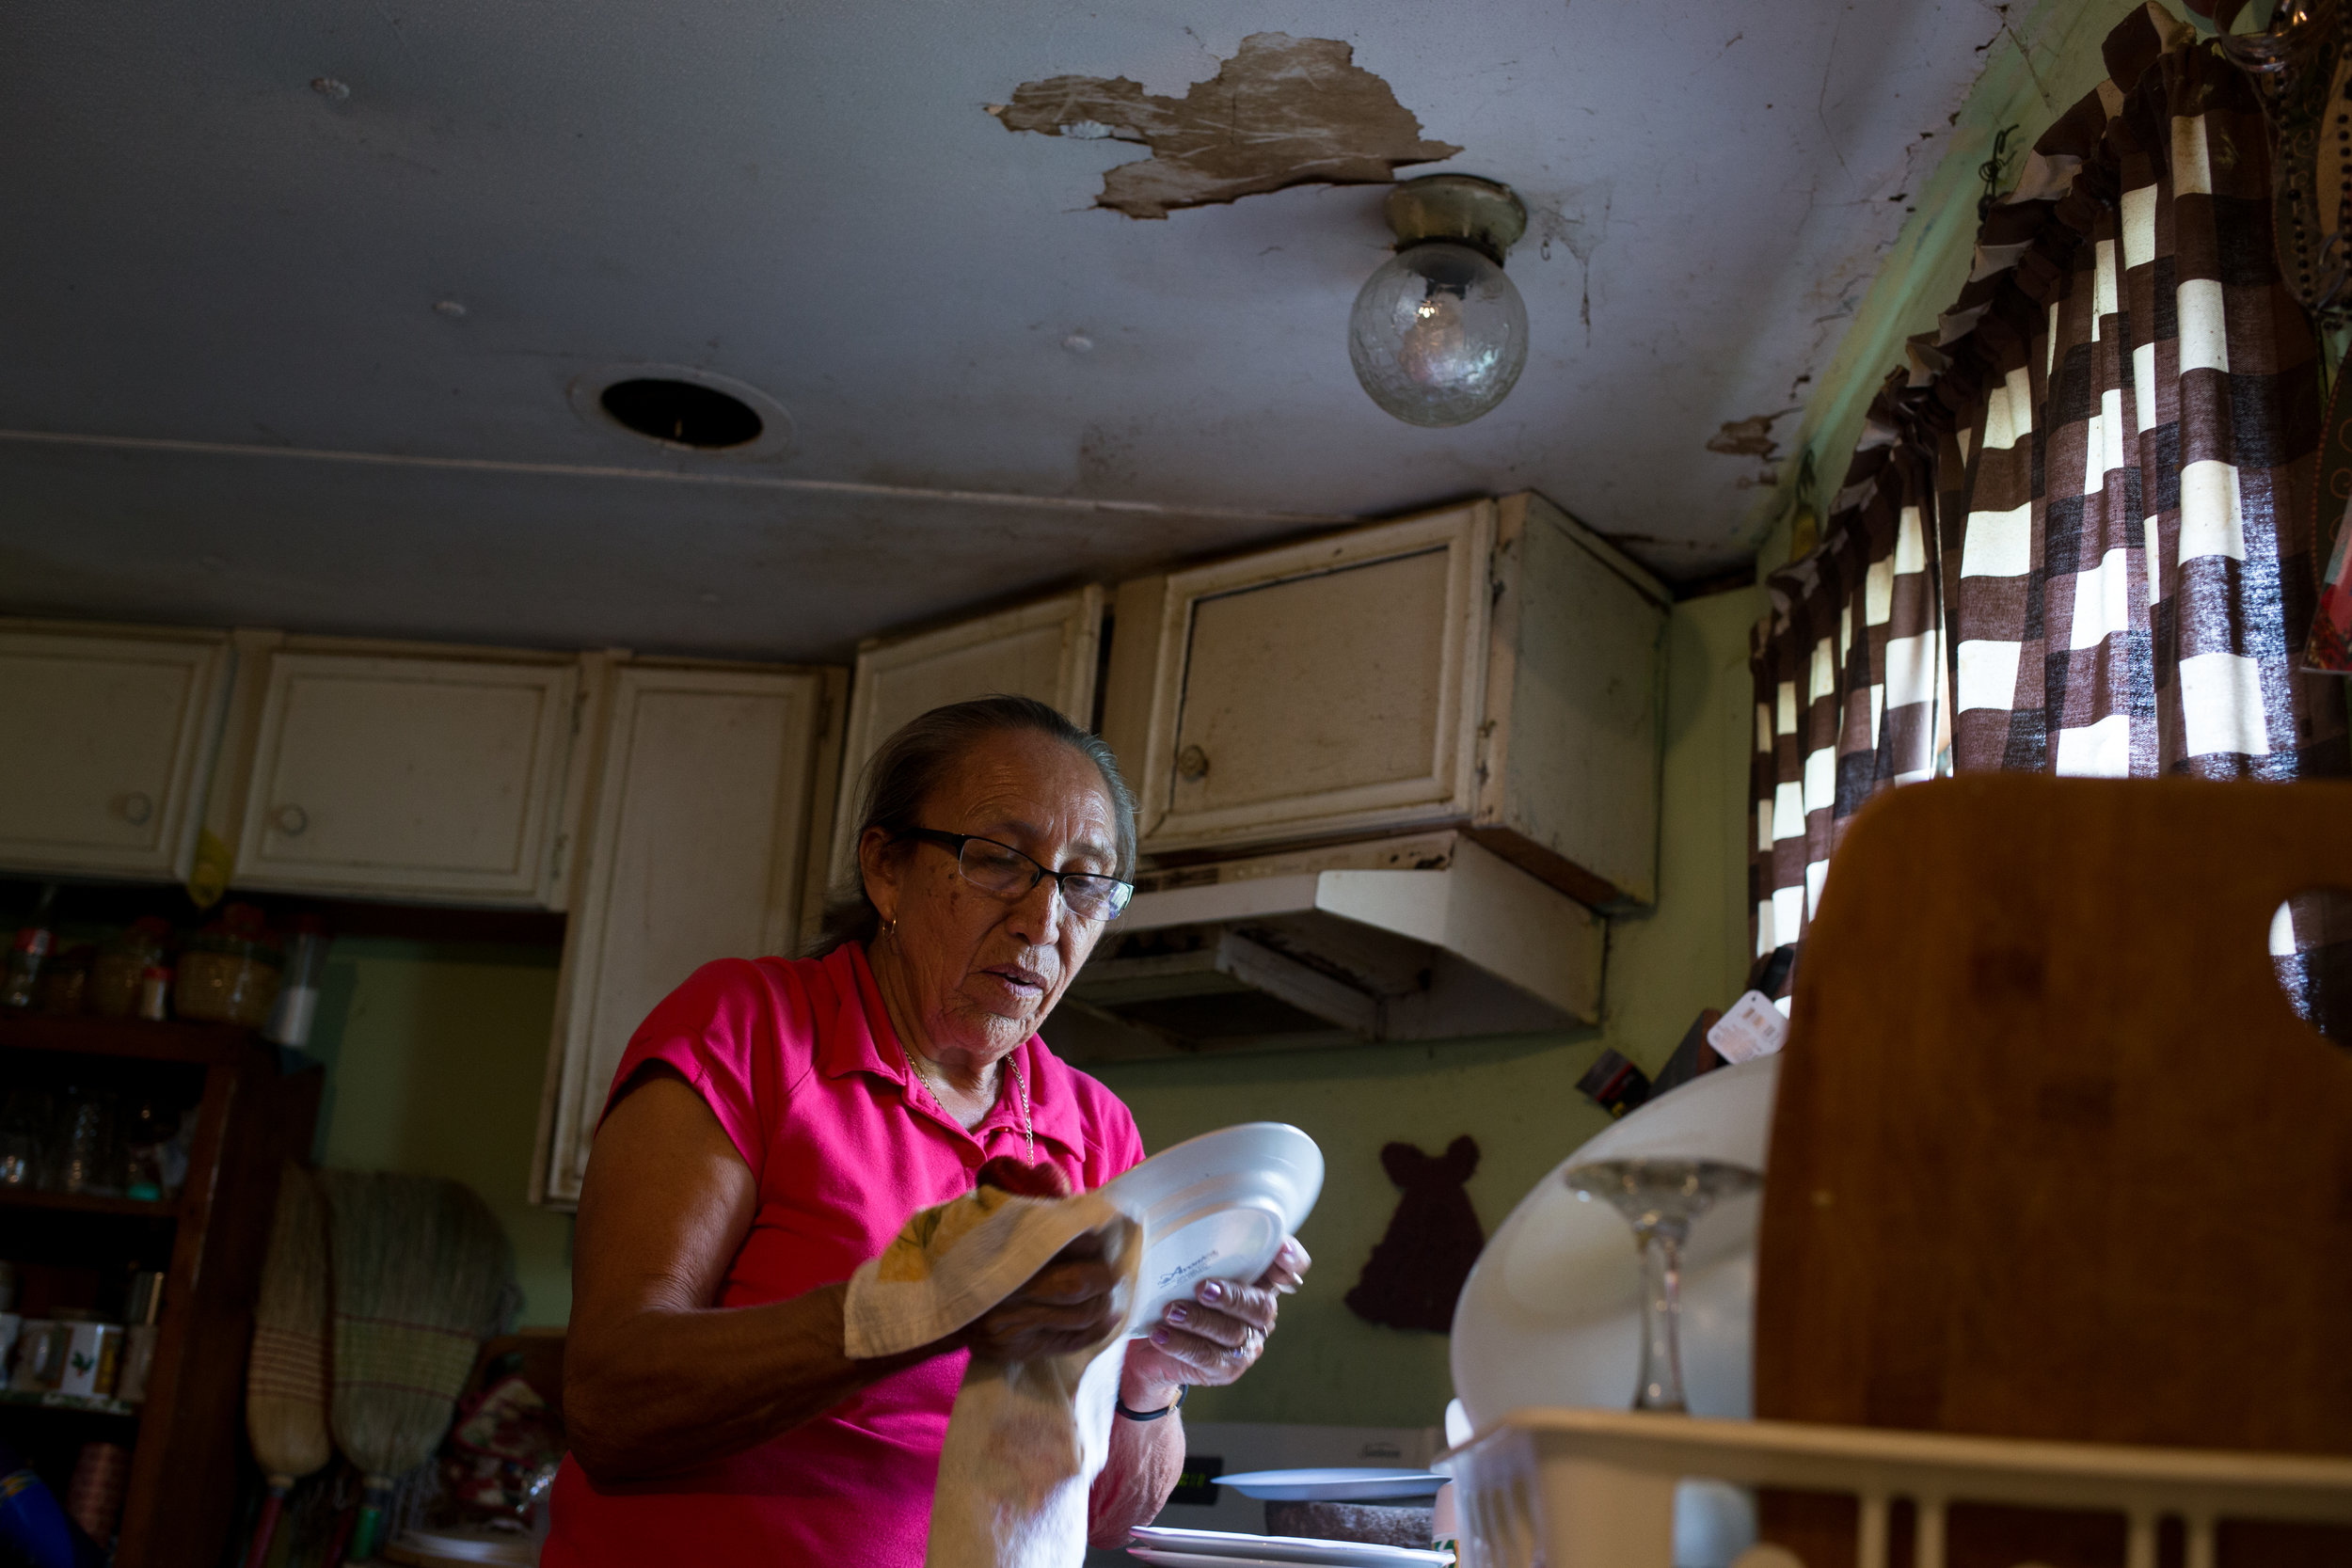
[1182, 1389]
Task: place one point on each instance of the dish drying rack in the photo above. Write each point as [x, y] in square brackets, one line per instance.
[1595, 1488]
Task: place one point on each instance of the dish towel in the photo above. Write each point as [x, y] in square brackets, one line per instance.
[1025, 1439]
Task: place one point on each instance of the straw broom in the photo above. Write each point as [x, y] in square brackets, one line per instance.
[421, 1274]
[285, 1383]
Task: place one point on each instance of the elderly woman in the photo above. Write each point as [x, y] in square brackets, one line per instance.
[774, 1122]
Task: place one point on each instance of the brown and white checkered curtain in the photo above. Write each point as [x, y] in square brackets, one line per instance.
[1851, 685]
[2110, 442]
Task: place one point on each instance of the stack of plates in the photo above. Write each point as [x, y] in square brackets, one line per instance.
[1211, 1548]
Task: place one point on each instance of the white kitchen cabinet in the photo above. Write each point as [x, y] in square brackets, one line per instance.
[712, 784]
[105, 737]
[1048, 650]
[1493, 666]
[407, 776]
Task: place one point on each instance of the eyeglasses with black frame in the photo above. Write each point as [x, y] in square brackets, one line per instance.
[1005, 871]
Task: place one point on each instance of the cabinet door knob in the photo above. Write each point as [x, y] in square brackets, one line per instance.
[291, 819]
[137, 808]
[1192, 765]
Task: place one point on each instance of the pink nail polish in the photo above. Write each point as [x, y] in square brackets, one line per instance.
[1176, 1313]
[1213, 1290]
[1159, 1337]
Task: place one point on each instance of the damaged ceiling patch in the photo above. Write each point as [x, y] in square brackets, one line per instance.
[1750, 438]
[1283, 111]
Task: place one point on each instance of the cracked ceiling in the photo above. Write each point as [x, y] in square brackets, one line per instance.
[997, 379]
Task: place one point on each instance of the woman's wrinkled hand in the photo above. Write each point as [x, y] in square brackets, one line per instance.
[1070, 1304]
[1211, 1339]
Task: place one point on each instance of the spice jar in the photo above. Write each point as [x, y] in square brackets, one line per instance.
[155, 993]
[63, 987]
[114, 976]
[229, 970]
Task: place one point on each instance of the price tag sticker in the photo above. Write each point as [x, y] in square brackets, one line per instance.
[1754, 1027]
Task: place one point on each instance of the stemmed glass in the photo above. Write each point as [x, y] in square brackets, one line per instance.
[1660, 1198]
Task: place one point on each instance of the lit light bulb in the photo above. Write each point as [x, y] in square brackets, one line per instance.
[1438, 335]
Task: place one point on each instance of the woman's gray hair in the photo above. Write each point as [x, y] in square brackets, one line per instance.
[912, 763]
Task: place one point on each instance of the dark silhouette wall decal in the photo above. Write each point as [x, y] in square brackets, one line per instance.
[1417, 1269]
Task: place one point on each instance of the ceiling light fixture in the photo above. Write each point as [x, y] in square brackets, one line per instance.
[1438, 334]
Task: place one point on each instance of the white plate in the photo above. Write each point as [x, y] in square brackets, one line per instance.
[1216, 1545]
[1552, 1312]
[1219, 1560]
[461, 1544]
[1340, 1483]
[1216, 1207]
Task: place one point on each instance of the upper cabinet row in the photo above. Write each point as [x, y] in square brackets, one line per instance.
[1492, 667]
[362, 769]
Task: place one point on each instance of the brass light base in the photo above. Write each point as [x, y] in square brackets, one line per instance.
[1462, 208]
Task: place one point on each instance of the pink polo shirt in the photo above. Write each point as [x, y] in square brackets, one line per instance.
[797, 1059]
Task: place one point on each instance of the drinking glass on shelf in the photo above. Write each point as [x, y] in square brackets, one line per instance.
[85, 1152]
[23, 1134]
[1660, 1198]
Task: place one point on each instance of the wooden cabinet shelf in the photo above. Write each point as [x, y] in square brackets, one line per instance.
[87, 1203]
[80, 1405]
[135, 1038]
[249, 1118]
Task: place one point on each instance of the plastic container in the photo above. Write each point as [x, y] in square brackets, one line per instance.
[297, 1004]
[40, 1362]
[138, 1362]
[93, 1360]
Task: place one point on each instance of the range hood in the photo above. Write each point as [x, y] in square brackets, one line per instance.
[1427, 937]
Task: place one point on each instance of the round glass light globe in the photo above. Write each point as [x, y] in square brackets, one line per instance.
[1438, 334]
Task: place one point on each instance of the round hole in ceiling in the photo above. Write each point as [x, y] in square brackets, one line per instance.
[681, 413]
[684, 409]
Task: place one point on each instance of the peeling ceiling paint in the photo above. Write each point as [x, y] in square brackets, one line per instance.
[1282, 112]
[1748, 437]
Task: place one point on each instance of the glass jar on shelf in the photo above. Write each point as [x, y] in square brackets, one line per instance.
[123, 959]
[229, 970]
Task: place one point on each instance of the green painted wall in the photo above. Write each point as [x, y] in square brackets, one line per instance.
[435, 1055]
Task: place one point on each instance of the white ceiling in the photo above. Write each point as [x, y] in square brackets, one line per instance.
[217, 270]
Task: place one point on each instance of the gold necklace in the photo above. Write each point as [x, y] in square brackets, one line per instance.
[1028, 1137]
